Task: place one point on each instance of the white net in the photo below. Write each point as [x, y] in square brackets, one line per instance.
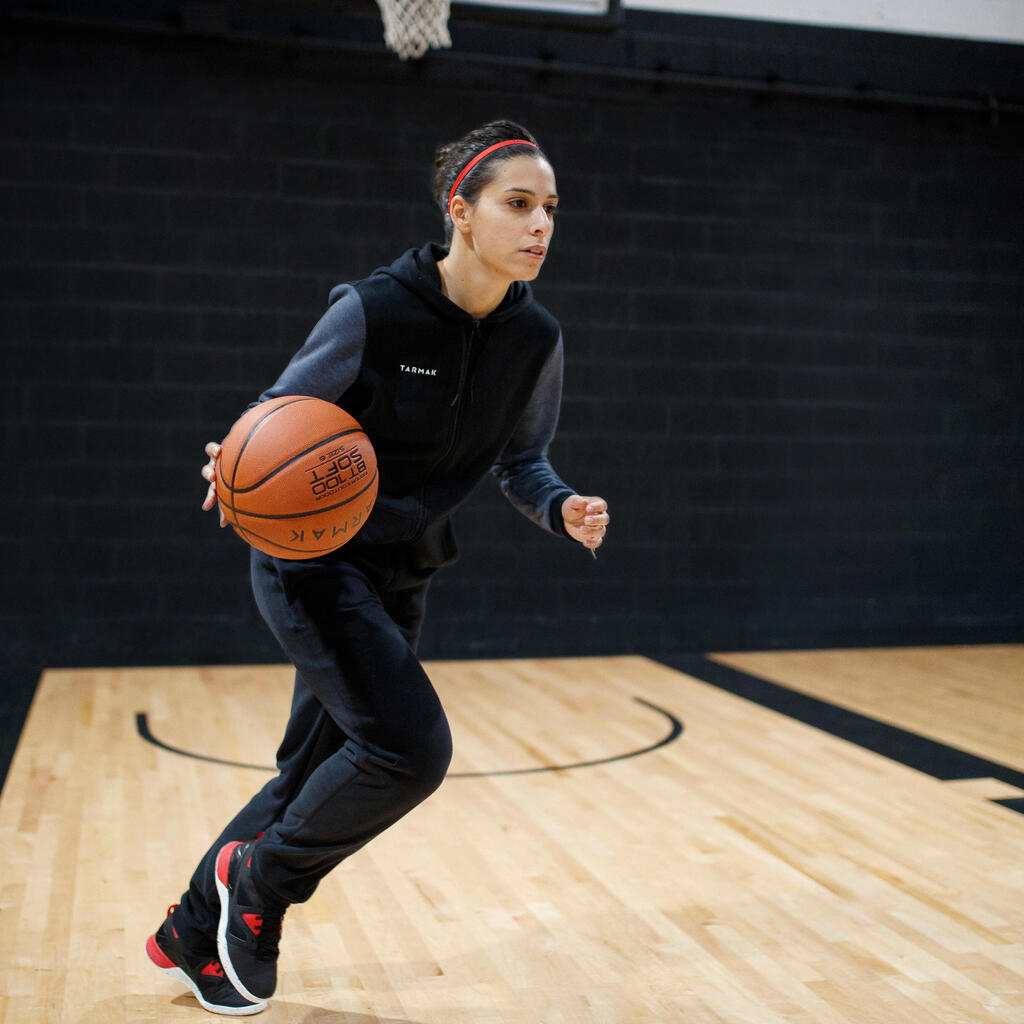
[411, 27]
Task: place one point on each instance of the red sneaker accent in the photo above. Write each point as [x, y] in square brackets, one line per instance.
[223, 859]
[254, 921]
[157, 955]
[214, 968]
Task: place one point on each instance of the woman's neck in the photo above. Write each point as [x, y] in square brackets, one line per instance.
[467, 283]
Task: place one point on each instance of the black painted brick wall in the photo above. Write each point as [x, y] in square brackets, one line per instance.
[794, 330]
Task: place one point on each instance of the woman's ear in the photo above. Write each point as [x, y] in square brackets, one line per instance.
[459, 212]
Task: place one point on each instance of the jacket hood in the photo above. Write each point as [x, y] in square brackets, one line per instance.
[417, 270]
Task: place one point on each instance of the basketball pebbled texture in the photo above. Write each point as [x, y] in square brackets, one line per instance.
[296, 477]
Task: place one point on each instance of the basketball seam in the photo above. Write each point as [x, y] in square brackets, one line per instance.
[256, 426]
[238, 458]
[304, 515]
[299, 455]
[283, 547]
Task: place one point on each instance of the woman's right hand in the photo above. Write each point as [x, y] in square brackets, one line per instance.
[209, 472]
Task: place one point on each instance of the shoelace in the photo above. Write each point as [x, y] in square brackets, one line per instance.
[269, 936]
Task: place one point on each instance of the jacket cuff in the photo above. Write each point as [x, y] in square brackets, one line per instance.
[555, 514]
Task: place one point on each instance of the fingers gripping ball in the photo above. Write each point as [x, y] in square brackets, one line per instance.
[296, 477]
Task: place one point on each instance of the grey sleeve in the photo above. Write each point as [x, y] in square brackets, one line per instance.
[523, 470]
[328, 363]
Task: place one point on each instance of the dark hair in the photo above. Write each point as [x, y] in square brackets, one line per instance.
[452, 157]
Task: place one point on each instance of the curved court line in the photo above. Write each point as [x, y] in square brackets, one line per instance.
[675, 731]
[142, 728]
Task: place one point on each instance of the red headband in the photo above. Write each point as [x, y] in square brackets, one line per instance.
[472, 163]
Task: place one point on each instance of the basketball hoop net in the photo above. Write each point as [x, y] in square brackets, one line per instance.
[411, 27]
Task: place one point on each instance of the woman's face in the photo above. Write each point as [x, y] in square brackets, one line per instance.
[512, 221]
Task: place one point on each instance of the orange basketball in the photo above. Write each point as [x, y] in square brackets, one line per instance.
[296, 477]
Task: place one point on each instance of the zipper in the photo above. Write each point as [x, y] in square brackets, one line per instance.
[453, 433]
[467, 355]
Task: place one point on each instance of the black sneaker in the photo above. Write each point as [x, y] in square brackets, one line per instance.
[200, 971]
[250, 925]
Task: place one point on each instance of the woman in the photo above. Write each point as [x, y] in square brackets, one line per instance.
[453, 371]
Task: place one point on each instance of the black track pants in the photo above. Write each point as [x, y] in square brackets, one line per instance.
[366, 740]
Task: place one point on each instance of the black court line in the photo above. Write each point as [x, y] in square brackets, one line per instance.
[675, 731]
[925, 755]
[142, 728]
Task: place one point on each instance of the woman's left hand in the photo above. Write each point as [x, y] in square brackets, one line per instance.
[586, 519]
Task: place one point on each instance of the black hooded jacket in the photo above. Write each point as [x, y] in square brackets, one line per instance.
[443, 397]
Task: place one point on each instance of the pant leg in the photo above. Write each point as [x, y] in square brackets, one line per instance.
[367, 739]
[332, 623]
[406, 603]
[311, 736]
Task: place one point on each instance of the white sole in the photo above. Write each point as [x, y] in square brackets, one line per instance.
[222, 942]
[228, 1011]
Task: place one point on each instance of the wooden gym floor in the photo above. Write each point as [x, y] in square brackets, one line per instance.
[619, 842]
